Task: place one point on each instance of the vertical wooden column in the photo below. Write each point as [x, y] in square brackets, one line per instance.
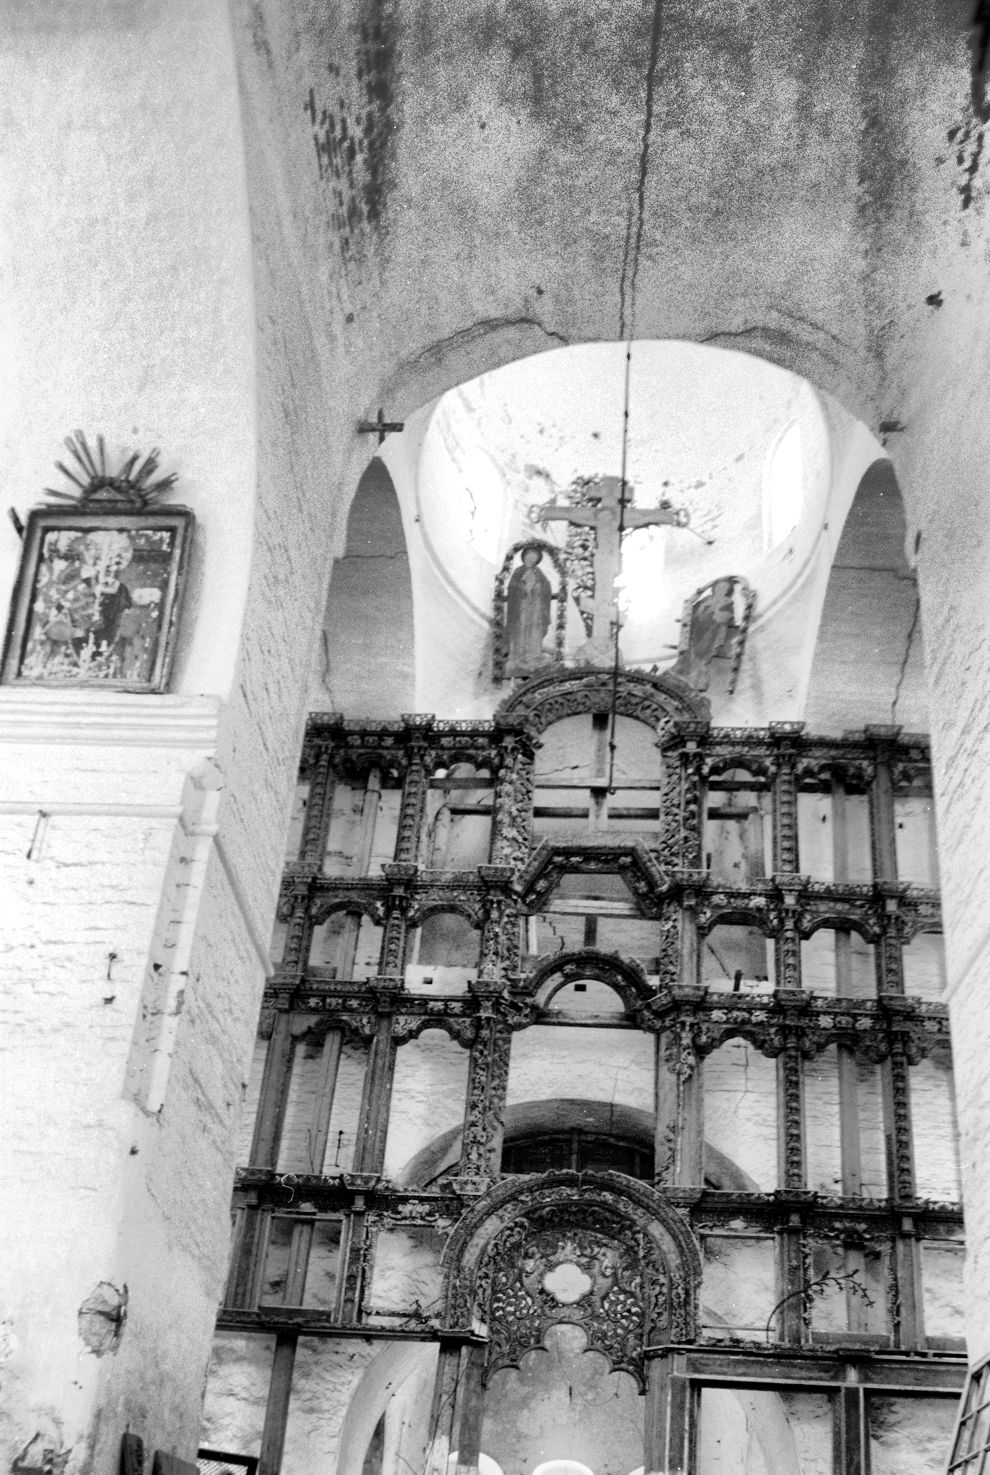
[688, 972]
[272, 1101]
[679, 1142]
[890, 960]
[274, 1093]
[352, 1261]
[295, 911]
[512, 822]
[897, 1122]
[790, 1096]
[444, 1408]
[882, 831]
[319, 806]
[391, 963]
[851, 1436]
[785, 805]
[909, 1323]
[414, 789]
[277, 1407]
[790, 1281]
[472, 1410]
[850, 1149]
[668, 1433]
[303, 1230]
[787, 954]
[376, 1098]
[682, 819]
[484, 1109]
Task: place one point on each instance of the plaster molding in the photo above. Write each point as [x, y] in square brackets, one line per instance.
[107, 719]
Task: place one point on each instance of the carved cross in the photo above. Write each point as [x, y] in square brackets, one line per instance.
[611, 509]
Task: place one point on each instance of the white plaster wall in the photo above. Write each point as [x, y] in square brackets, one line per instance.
[822, 1125]
[944, 1303]
[236, 1392]
[346, 1109]
[405, 1273]
[740, 1109]
[924, 966]
[739, 1286]
[910, 1434]
[610, 1065]
[323, 1383]
[105, 852]
[935, 1130]
[127, 293]
[428, 1091]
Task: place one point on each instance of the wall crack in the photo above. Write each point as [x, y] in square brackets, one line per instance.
[637, 212]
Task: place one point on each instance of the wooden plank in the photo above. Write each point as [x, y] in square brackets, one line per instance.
[655, 1428]
[274, 1094]
[277, 1407]
[472, 1411]
[443, 1409]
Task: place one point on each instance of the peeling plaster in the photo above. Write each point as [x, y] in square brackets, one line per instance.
[101, 1318]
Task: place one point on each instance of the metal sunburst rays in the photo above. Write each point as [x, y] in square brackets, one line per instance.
[133, 483]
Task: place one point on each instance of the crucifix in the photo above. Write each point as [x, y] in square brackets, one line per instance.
[610, 515]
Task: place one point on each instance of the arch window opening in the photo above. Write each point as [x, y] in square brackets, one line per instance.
[783, 488]
[579, 1150]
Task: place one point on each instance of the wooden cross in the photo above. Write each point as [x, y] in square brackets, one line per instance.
[611, 510]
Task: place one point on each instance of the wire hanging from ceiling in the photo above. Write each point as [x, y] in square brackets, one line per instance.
[617, 618]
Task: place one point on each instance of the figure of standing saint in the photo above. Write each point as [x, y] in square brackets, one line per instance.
[527, 613]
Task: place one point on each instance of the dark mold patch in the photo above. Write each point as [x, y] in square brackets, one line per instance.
[980, 48]
[934, 299]
[353, 125]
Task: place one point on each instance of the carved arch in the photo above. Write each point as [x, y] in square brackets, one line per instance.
[432, 906]
[630, 1265]
[655, 700]
[733, 913]
[323, 908]
[837, 921]
[624, 975]
[763, 766]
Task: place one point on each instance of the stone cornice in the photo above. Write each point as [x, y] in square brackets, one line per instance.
[107, 719]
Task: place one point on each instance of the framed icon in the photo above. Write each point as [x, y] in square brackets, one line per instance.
[97, 597]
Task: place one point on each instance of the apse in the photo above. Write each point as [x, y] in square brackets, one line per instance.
[667, 506]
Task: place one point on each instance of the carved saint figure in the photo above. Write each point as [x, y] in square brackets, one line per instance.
[528, 600]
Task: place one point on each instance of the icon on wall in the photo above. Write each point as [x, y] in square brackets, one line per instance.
[529, 631]
[100, 581]
[714, 625]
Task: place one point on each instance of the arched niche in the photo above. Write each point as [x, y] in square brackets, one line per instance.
[623, 977]
[868, 664]
[366, 656]
[442, 950]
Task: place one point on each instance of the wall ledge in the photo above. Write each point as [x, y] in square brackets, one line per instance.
[107, 719]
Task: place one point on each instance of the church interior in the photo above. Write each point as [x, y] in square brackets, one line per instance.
[509, 1000]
